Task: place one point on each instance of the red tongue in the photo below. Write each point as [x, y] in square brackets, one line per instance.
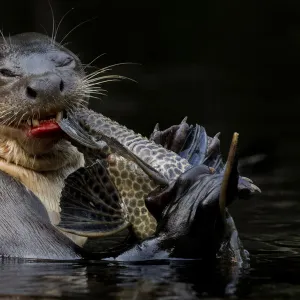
[45, 130]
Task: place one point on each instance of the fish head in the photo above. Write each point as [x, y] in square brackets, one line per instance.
[195, 222]
[191, 224]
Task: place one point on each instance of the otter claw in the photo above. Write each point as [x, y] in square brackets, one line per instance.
[248, 179]
[217, 135]
[255, 188]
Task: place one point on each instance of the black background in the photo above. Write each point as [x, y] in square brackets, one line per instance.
[228, 65]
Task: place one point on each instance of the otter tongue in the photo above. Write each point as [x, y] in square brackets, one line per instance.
[46, 129]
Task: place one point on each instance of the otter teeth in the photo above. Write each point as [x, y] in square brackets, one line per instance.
[35, 123]
[59, 116]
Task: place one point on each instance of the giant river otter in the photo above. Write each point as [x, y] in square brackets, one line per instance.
[39, 81]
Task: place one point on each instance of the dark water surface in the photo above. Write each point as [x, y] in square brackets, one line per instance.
[269, 227]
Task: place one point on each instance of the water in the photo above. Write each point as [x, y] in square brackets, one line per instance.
[268, 225]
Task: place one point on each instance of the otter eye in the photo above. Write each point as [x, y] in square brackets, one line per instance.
[66, 62]
[7, 73]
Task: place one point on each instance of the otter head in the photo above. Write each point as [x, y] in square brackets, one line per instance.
[39, 79]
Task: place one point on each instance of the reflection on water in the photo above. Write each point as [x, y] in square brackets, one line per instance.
[166, 280]
[268, 224]
[49, 279]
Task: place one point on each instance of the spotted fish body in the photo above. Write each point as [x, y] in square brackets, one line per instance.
[132, 183]
[133, 186]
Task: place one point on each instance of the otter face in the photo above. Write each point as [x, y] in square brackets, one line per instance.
[39, 79]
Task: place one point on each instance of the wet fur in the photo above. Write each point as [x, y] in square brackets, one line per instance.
[40, 164]
[43, 175]
[26, 60]
[25, 228]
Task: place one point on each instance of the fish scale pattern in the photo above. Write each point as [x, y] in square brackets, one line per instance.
[168, 163]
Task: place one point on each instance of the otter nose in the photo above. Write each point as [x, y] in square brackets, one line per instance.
[44, 86]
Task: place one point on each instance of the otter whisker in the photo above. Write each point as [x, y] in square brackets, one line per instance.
[93, 90]
[21, 119]
[89, 64]
[60, 22]
[81, 105]
[86, 66]
[53, 22]
[96, 84]
[65, 44]
[88, 91]
[44, 29]
[98, 81]
[117, 77]
[87, 85]
[7, 119]
[9, 38]
[83, 101]
[95, 73]
[105, 81]
[5, 113]
[75, 28]
[95, 97]
[89, 94]
[95, 93]
[13, 119]
[108, 68]
[4, 39]
[71, 107]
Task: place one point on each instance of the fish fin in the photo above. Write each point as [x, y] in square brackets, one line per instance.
[73, 128]
[76, 132]
[155, 136]
[230, 178]
[213, 157]
[195, 146]
[172, 138]
[90, 203]
[176, 140]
